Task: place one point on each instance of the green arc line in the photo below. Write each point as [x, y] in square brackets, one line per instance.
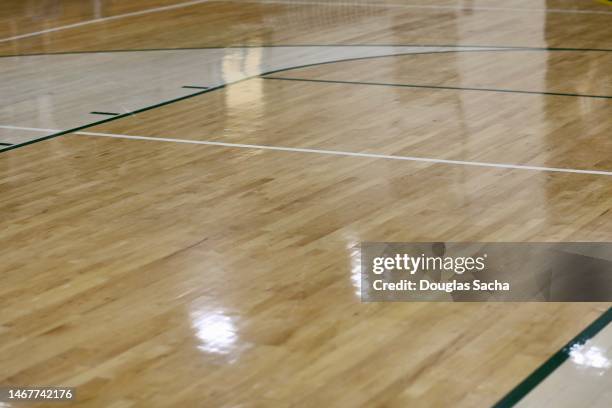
[508, 47]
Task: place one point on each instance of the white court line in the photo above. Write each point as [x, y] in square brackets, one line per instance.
[351, 154]
[29, 128]
[329, 152]
[111, 18]
[427, 6]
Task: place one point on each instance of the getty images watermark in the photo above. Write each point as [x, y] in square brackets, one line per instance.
[476, 272]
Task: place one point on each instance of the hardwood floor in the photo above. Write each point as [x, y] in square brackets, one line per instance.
[134, 267]
[156, 272]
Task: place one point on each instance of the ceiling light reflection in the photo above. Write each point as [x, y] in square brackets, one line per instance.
[590, 356]
[215, 330]
[354, 249]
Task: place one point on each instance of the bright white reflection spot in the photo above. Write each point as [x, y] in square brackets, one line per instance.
[589, 356]
[239, 64]
[215, 330]
[355, 256]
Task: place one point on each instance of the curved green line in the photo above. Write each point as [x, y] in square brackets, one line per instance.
[509, 47]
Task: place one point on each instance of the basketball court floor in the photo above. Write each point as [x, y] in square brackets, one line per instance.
[185, 185]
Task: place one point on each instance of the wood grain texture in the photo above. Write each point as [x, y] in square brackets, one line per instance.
[156, 274]
[202, 276]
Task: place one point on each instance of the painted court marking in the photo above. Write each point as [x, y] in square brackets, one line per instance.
[103, 19]
[29, 128]
[330, 152]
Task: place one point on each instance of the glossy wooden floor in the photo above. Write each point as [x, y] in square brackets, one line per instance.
[157, 272]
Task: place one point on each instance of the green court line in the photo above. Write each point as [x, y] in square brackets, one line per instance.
[64, 132]
[104, 113]
[440, 87]
[401, 54]
[550, 365]
[508, 47]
